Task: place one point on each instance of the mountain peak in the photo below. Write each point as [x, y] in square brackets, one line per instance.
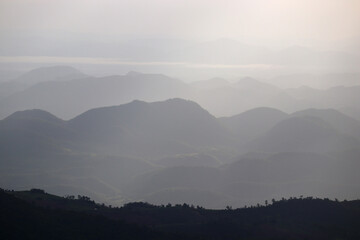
[134, 73]
[53, 73]
[263, 111]
[34, 114]
[53, 70]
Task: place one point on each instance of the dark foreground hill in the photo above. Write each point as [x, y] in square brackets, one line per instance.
[37, 215]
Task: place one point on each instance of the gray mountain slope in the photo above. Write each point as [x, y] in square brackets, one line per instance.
[336, 119]
[54, 73]
[67, 99]
[250, 124]
[174, 126]
[38, 75]
[303, 134]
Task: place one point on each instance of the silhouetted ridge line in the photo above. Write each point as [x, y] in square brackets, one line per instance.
[293, 218]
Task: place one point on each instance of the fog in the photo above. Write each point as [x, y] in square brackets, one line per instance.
[189, 40]
[276, 23]
[204, 102]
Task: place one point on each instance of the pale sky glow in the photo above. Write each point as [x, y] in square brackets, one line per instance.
[187, 39]
[303, 22]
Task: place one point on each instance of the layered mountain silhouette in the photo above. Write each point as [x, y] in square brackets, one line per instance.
[250, 124]
[168, 150]
[171, 127]
[66, 92]
[105, 143]
[54, 73]
[336, 119]
[38, 75]
[304, 134]
[69, 98]
[138, 129]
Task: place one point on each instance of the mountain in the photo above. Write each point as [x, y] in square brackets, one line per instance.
[196, 197]
[157, 129]
[353, 112]
[169, 127]
[32, 133]
[35, 114]
[35, 213]
[38, 75]
[279, 168]
[303, 134]
[67, 99]
[45, 223]
[227, 99]
[242, 95]
[174, 149]
[211, 83]
[317, 81]
[174, 184]
[112, 145]
[253, 85]
[41, 150]
[344, 171]
[7, 88]
[338, 98]
[251, 178]
[221, 97]
[195, 159]
[252, 123]
[30, 139]
[338, 120]
[176, 177]
[54, 73]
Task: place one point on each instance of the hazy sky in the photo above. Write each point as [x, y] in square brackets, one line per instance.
[325, 23]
